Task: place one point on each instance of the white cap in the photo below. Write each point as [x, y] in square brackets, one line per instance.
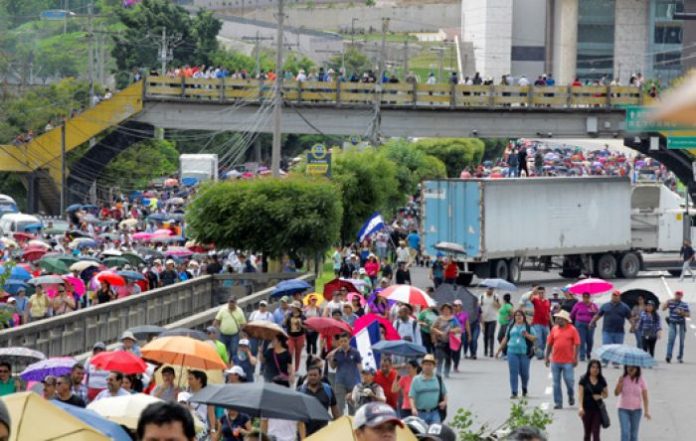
[170, 261]
[458, 302]
[244, 342]
[236, 370]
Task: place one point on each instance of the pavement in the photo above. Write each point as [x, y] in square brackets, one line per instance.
[482, 386]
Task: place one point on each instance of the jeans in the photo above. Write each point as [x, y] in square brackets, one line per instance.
[489, 337]
[432, 417]
[231, 342]
[673, 329]
[612, 338]
[586, 340]
[341, 392]
[567, 371]
[639, 338]
[443, 355]
[472, 346]
[687, 267]
[630, 422]
[541, 332]
[518, 364]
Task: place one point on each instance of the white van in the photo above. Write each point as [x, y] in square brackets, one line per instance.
[7, 205]
[17, 222]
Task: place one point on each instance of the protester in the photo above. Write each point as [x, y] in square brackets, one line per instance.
[244, 359]
[348, 363]
[462, 317]
[443, 331]
[8, 385]
[592, 389]
[562, 356]
[77, 376]
[232, 426]
[315, 387]
[5, 423]
[649, 328]
[489, 304]
[678, 312]
[167, 390]
[541, 321]
[294, 324]
[49, 387]
[65, 394]
[114, 381]
[229, 320]
[165, 422]
[386, 376]
[581, 315]
[428, 393]
[615, 314]
[96, 378]
[517, 341]
[633, 402]
[403, 385]
[277, 362]
[212, 333]
[367, 390]
[129, 343]
[375, 422]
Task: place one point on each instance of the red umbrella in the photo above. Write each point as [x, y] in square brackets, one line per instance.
[111, 278]
[337, 284]
[365, 320]
[407, 294]
[32, 254]
[328, 326]
[21, 237]
[119, 361]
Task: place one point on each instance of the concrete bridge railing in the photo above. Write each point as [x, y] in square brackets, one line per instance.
[399, 95]
[76, 332]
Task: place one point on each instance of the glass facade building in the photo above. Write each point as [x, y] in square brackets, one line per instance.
[595, 53]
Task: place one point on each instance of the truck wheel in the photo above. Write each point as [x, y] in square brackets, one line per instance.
[674, 273]
[465, 279]
[629, 265]
[606, 266]
[514, 273]
[500, 269]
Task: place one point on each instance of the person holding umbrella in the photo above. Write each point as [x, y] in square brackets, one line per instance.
[277, 362]
[65, 394]
[63, 302]
[167, 391]
[678, 312]
[105, 293]
[632, 391]
[615, 314]
[444, 327]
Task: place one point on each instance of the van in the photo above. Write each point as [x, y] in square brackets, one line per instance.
[18, 222]
[7, 205]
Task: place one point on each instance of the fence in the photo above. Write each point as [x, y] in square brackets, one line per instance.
[406, 95]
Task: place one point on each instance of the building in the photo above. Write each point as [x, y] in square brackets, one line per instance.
[590, 39]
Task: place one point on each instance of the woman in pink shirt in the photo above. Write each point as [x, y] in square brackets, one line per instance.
[581, 315]
[372, 268]
[631, 390]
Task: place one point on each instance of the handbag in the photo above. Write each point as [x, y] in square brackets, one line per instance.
[603, 414]
[282, 376]
[455, 342]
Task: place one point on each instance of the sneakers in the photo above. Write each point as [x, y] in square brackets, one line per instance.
[668, 360]
[680, 360]
[513, 396]
[558, 406]
[571, 401]
[524, 393]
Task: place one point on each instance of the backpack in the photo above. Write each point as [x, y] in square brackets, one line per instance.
[530, 345]
[326, 387]
[396, 326]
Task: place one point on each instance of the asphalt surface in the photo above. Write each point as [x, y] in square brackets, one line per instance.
[482, 386]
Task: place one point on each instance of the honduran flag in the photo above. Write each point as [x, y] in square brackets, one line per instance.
[373, 224]
[363, 341]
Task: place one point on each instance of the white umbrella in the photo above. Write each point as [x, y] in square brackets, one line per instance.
[128, 223]
[83, 265]
[111, 253]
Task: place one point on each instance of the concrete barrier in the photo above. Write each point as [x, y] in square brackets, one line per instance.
[75, 333]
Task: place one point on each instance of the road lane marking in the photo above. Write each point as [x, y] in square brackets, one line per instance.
[548, 390]
[692, 326]
[544, 406]
[550, 376]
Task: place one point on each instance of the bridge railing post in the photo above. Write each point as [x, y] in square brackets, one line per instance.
[337, 84]
[183, 87]
[222, 89]
[299, 91]
[491, 96]
[453, 95]
[414, 94]
[260, 90]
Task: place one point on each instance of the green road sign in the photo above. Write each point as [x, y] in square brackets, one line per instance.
[637, 121]
[681, 142]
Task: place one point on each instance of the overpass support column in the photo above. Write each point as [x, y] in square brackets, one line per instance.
[565, 42]
[631, 38]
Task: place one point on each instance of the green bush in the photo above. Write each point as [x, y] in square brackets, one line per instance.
[455, 153]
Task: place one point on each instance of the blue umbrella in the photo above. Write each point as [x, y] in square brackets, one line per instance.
[89, 207]
[157, 217]
[290, 287]
[189, 182]
[84, 243]
[51, 366]
[2, 270]
[131, 275]
[93, 419]
[626, 355]
[13, 285]
[19, 273]
[500, 284]
[401, 348]
[31, 227]
[73, 208]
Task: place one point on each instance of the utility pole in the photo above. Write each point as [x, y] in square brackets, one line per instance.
[278, 96]
[163, 52]
[440, 58]
[377, 122]
[257, 48]
[383, 51]
[66, 7]
[62, 167]
[406, 57]
[90, 53]
[352, 31]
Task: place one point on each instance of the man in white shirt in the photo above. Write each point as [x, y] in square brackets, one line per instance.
[402, 253]
[408, 327]
[113, 387]
[336, 303]
[523, 81]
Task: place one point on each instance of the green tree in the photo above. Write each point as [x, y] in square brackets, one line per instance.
[355, 61]
[205, 30]
[136, 166]
[495, 147]
[294, 62]
[413, 165]
[297, 216]
[368, 182]
[455, 153]
[61, 56]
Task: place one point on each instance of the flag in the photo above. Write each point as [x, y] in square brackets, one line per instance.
[363, 341]
[373, 224]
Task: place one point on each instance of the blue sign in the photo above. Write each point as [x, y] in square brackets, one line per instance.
[319, 161]
[54, 14]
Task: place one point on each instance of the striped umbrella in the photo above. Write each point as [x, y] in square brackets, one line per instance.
[626, 355]
[407, 294]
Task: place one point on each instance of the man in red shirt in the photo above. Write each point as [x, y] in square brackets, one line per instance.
[562, 356]
[541, 321]
[386, 376]
[451, 270]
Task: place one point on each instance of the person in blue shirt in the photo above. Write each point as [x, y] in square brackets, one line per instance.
[413, 240]
[615, 313]
[678, 312]
[347, 362]
[281, 311]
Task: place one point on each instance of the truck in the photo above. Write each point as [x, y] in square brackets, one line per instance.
[202, 166]
[603, 226]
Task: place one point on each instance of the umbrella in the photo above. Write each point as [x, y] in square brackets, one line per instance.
[183, 351]
[119, 361]
[308, 297]
[118, 262]
[401, 348]
[626, 355]
[337, 284]
[142, 236]
[157, 217]
[74, 207]
[500, 284]
[328, 326]
[630, 297]
[342, 429]
[46, 280]
[32, 254]
[184, 332]
[110, 236]
[128, 223]
[150, 252]
[13, 285]
[74, 234]
[53, 265]
[290, 287]
[124, 410]
[51, 366]
[83, 242]
[77, 284]
[22, 237]
[133, 259]
[67, 259]
[168, 239]
[448, 293]
[162, 232]
[111, 278]
[178, 252]
[19, 273]
[131, 275]
[353, 295]
[83, 265]
[591, 286]
[263, 400]
[114, 431]
[263, 330]
[189, 181]
[365, 320]
[111, 253]
[16, 354]
[176, 201]
[145, 331]
[36, 243]
[9, 242]
[407, 294]
[34, 418]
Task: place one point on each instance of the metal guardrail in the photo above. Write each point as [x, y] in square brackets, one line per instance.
[404, 95]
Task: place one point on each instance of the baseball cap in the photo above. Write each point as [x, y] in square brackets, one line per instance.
[374, 414]
[244, 342]
[679, 293]
[11, 299]
[128, 335]
[438, 432]
[362, 271]
[211, 330]
[285, 299]
[263, 303]
[183, 397]
[236, 370]
[99, 345]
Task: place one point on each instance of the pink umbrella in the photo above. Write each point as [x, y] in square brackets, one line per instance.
[162, 232]
[591, 286]
[142, 236]
[178, 252]
[77, 284]
[407, 294]
[365, 320]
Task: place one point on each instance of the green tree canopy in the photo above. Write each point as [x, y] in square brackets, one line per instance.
[355, 61]
[412, 164]
[455, 153]
[368, 182]
[139, 164]
[297, 216]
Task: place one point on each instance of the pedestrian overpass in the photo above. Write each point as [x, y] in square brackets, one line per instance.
[350, 109]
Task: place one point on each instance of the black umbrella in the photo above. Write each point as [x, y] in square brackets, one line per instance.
[264, 400]
[448, 293]
[630, 297]
[184, 332]
[145, 331]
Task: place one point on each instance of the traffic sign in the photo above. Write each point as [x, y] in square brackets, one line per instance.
[681, 142]
[54, 14]
[319, 160]
[637, 121]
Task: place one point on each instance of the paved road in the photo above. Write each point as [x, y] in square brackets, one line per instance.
[482, 385]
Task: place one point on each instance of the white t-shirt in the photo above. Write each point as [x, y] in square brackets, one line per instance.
[402, 254]
[96, 378]
[264, 316]
[283, 430]
[489, 312]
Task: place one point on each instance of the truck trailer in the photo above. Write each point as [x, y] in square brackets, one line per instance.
[602, 226]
